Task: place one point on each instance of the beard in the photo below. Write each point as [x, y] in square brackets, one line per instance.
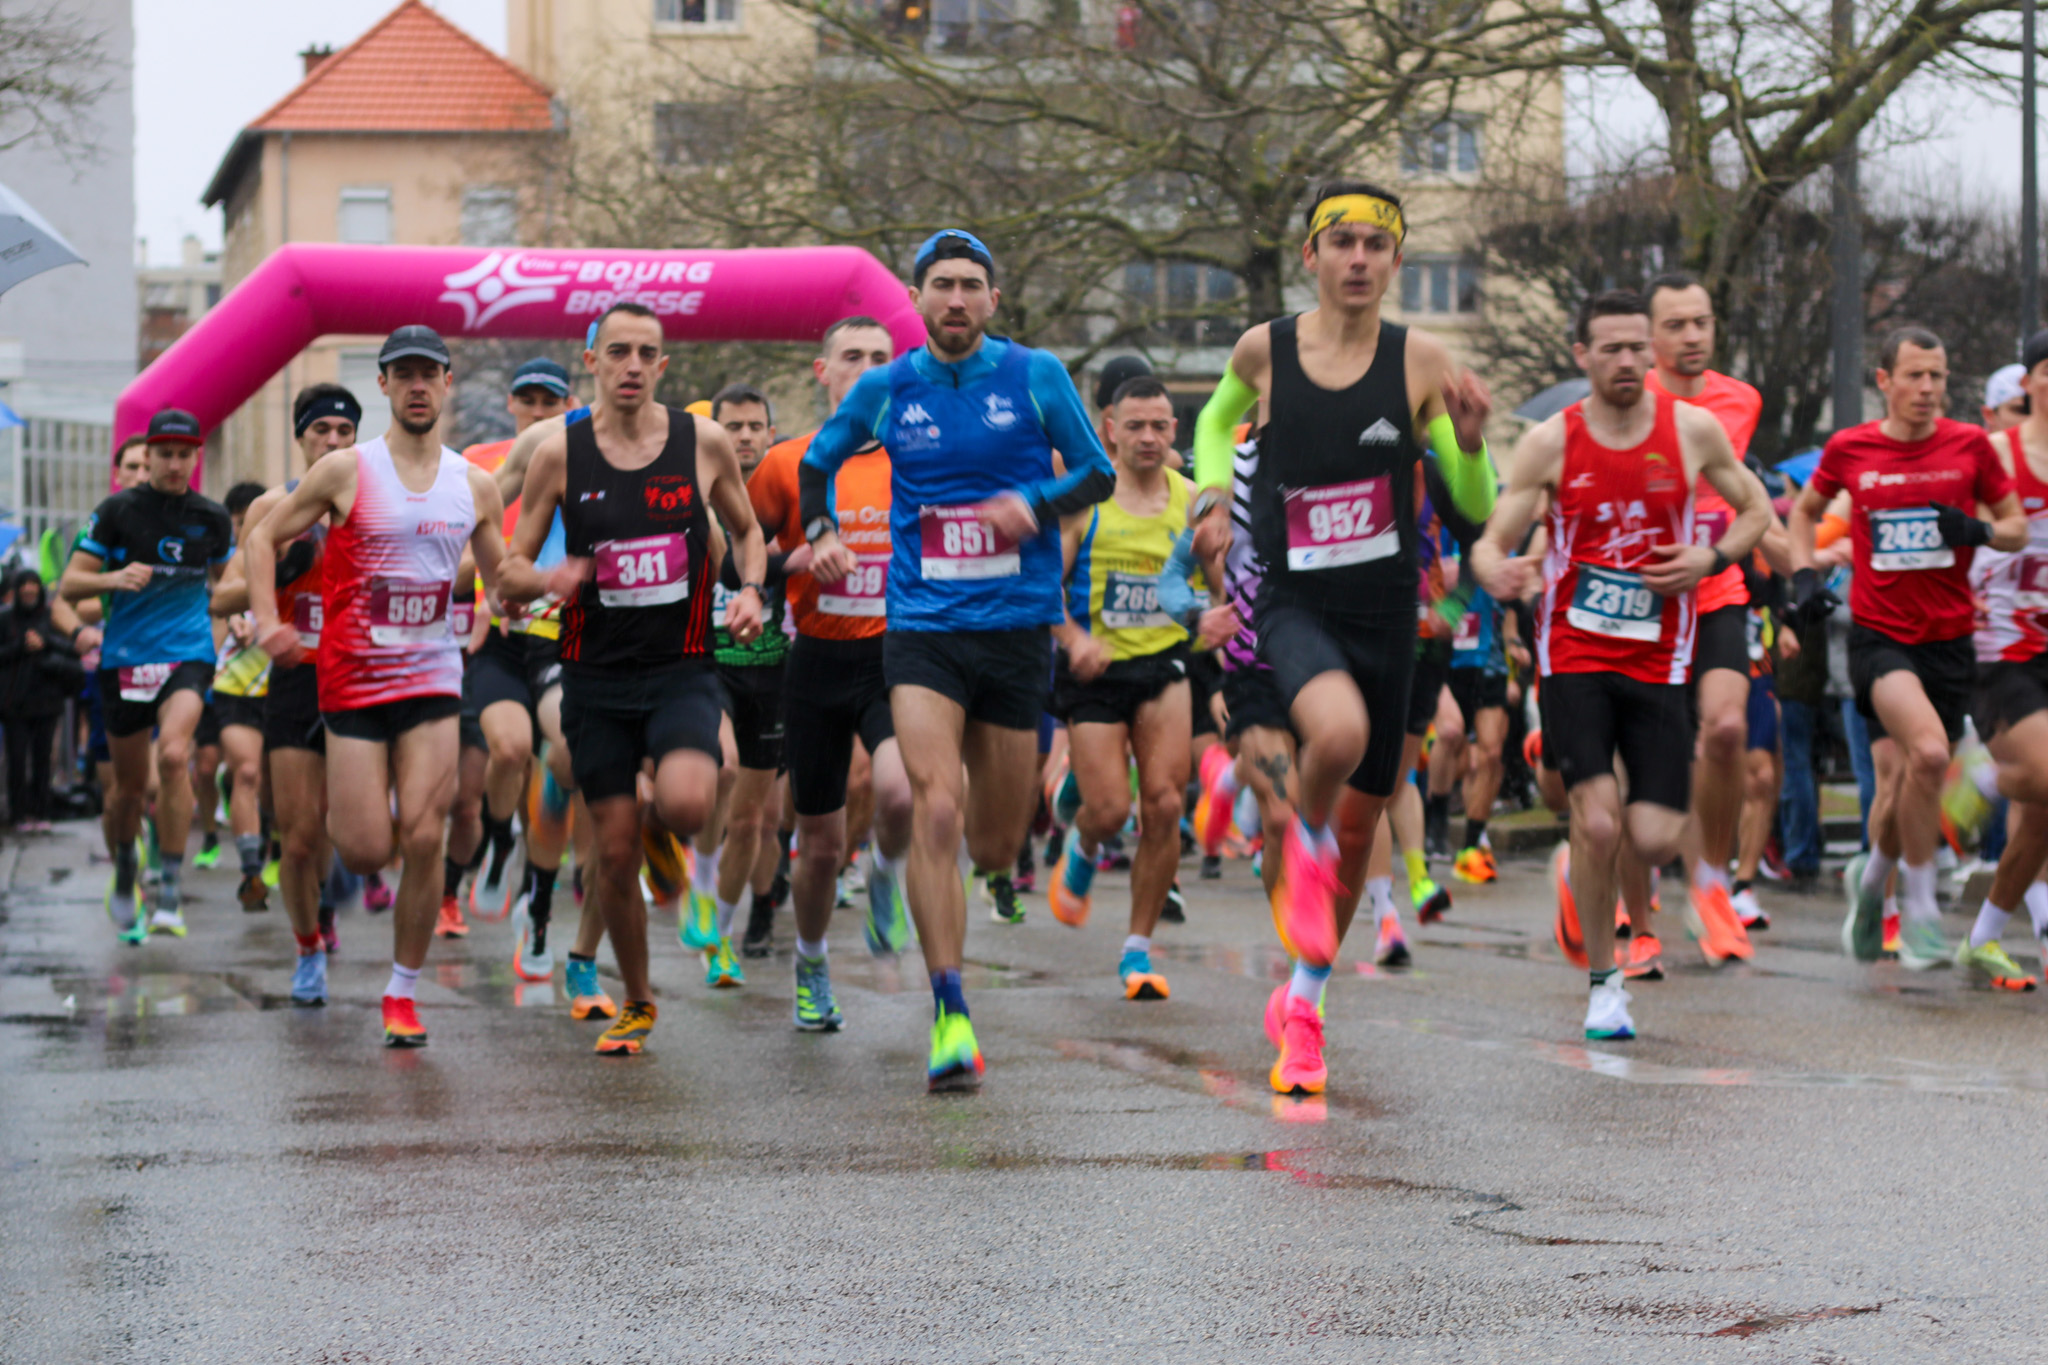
[413, 428]
[945, 344]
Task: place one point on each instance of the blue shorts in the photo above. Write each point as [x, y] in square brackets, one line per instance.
[1763, 714]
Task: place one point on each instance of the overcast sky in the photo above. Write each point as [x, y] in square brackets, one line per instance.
[204, 68]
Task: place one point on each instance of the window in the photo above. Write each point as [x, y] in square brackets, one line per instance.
[359, 376]
[365, 215]
[1439, 284]
[1200, 302]
[1447, 147]
[698, 13]
[700, 134]
[490, 216]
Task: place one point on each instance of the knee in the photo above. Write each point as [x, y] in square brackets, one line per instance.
[1162, 816]
[510, 749]
[363, 855]
[684, 812]
[1105, 818]
[173, 753]
[938, 819]
[892, 804]
[248, 773]
[1723, 736]
[821, 852]
[618, 851]
[1927, 762]
[1598, 826]
[1342, 736]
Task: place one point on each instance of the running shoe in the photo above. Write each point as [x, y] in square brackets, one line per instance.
[1921, 946]
[1392, 948]
[1276, 1013]
[208, 855]
[1891, 926]
[586, 997]
[1299, 1069]
[1644, 959]
[377, 897]
[1066, 799]
[1711, 920]
[126, 912]
[1140, 981]
[450, 922]
[494, 891]
[1476, 865]
[722, 970]
[1570, 941]
[1863, 929]
[1026, 877]
[253, 894]
[628, 1035]
[1304, 904]
[816, 1009]
[168, 920]
[1432, 902]
[1965, 808]
[528, 964]
[402, 1027]
[309, 979]
[759, 940]
[664, 860]
[1070, 895]
[699, 929]
[956, 1062]
[1991, 966]
[271, 871]
[1212, 867]
[886, 926]
[329, 939]
[1211, 822]
[1004, 905]
[1749, 911]
[1175, 911]
[1607, 1012]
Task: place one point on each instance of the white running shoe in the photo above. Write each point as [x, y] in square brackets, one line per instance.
[1607, 1012]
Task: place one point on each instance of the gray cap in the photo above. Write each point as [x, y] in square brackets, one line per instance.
[413, 339]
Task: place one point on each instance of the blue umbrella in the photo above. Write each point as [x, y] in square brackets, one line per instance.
[1799, 468]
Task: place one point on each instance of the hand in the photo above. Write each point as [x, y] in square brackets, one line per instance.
[1682, 568]
[31, 641]
[131, 578]
[1519, 652]
[1213, 533]
[1958, 528]
[1087, 656]
[567, 578]
[280, 640]
[87, 639]
[830, 559]
[1448, 567]
[1468, 405]
[798, 560]
[1009, 516]
[1811, 601]
[743, 615]
[1219, 623]
[241, 630]
[1506, 578]
[1788, 643]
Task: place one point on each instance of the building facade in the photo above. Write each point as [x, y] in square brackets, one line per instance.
[173, 297]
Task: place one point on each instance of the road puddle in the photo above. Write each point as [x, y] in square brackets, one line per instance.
[1750, 1327]
[149, 994]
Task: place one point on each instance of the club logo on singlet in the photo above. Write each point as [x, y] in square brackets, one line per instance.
[999, 414]
[1380, 433]
[916, 432]
[669, 496]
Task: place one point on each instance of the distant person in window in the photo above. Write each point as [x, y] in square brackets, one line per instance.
[39, 670]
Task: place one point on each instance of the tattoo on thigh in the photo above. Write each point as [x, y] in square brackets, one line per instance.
[1274, 766]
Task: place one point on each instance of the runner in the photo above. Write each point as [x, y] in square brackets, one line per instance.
[1479, 684]
[399, 511]
[1342, 396]
[971, 422]
[1616, 630]
[837, 697]
[1910, 476]
[241, 684]
[635, 484]
[153, 551]
[1120, 682]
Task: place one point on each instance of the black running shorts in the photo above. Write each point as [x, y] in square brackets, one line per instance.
[1253, 701]
[1205, 679]
[1476, 690]
[1432, 671]
[1947, 670]
[613, 719]
[999, 677]
[246, 712]
[1591, 718]
[1114, 696]
[834, 691]
[126, 717]
[1299, 643]
[754, 696]
[386, 721]
[2008, 692]
[291, 713]
[1721, 640]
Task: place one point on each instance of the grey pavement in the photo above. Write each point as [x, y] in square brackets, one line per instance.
[1799, 1160]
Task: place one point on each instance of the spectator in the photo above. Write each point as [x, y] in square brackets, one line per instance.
[39, 672]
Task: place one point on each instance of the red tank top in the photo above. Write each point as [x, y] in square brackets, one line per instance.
[1611, 508]
[2012, 589]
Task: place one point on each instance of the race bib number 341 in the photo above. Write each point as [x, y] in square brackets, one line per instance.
[647, 572]
[1615, 603]
[1904, 538]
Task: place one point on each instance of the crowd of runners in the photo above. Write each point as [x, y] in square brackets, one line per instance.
[722, 671]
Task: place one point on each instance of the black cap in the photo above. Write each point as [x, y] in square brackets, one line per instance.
[1118, 372]
[2035, 351]
[413, 339]
[175, 426]
[541, 373]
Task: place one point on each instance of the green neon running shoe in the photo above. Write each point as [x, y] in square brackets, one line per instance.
[816, 1010]
[1991, 966]
[722, 970]
[956, 1058]
[699, 929]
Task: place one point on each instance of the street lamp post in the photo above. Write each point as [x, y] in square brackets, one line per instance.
[1847, 232]
[2030, 206]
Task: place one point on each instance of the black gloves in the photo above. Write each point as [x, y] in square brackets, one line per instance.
[1958, 528]
[1811, 601]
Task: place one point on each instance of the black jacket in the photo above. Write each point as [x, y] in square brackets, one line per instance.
[35, 685]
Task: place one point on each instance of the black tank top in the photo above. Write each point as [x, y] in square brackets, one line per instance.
[643, 608]
[1333, 507]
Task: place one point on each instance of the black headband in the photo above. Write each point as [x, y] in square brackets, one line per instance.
[329, 405]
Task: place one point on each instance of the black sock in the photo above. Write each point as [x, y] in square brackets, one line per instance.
[451, 876]
[540, 896]
[124, 869]
[583, 957]
[1474, 831]
[1741, 885]
[1439, 807]
[498, 835]
[1601, 978]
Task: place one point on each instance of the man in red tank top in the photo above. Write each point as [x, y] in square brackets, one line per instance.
[1615, 626]
[1913, 480]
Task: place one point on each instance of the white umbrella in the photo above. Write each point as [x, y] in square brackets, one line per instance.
[28, 245]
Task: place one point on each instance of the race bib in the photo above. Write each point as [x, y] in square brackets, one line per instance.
[405, 612]
[1131, 602]
[1709, 526]
[955, 545]
[1615, 603]
[1466, 638]
[648, 572]
[1341, 523]
[2030, 598]
[143, 681]
[1903, 538]
[462, 619]
[721, 598]
[863, 592]
[309, 614]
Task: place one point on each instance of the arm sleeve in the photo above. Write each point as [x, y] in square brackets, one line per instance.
[1468, 475]
[848, 429]
[1090, 477]
[1176, 594]
[1216, 429]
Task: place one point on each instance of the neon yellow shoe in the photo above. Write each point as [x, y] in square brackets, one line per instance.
[1991, 965]
[722, 970]
[956, 1062]
[699, 929]
[628, 1035]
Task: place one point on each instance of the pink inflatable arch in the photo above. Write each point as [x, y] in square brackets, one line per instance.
[308, 290]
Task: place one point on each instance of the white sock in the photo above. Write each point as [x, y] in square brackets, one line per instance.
[2037, 908]
[1916, 892]
[1308, 982]
[706, 879]
[1380, 891]
[403, 983]
[1876, 871]
[1705, 876]
[891, 868]
[807, 949]
[1990, 924]
[727, 911]
[1246, 812]
[1138, 943]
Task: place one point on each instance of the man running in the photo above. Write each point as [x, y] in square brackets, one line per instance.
[1914, 480]
[1616, 630]
[153, 550]
[241, 684]
[399, 510]
[1342, 397]
[1479, 685]
[635, 484]
[971, 422]
[1121, 683]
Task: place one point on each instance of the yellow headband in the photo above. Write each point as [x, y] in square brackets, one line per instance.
[1369, 209]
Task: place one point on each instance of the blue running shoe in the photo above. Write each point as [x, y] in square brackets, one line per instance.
[722, 970]
[816, 1010]
[309, 981]
[1140, 981]
[887, 923]
[1066, 800]
[587, 999]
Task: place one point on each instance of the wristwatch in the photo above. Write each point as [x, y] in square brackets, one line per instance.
[1721, 561]
[818, 526]
[760, 589]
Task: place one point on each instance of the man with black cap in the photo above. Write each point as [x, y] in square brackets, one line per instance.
[400, 511]
[153, 550]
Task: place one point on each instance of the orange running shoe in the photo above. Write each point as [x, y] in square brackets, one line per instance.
[1891, 926]
[587, 999]
[1219, 796]
[1300, 1069]
[1304, 904]
[1711, 918]
[1570, 941]
[1645, 959]
[626, 1037]
[451, 923]
[402, 1026]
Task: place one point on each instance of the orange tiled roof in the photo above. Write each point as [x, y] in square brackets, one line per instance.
[414, 72]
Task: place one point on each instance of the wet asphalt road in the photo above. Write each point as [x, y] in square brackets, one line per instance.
[1801, 1160]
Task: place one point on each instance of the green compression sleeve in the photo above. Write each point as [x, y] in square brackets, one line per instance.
[1216, 429]
[1469, 475]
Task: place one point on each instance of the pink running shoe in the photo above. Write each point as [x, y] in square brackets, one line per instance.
[1219, 795]
[377, 897]
[1276, 1013]
[1304, 906]
[1300, 1070]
